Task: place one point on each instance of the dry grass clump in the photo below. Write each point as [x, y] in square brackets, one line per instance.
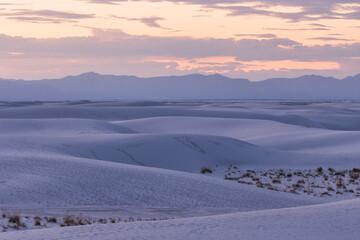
[72, 221]
[14, 221]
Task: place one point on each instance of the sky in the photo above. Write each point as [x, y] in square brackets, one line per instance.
[236, 38]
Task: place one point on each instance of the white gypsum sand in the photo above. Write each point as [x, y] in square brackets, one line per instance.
[142, 160]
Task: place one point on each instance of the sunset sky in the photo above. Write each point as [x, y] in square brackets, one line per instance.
[245, 39]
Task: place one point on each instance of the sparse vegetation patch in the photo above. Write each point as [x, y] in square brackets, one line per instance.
[318, 182]
[13, 221]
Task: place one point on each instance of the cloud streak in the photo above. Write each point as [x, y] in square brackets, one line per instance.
[148, 21]
[44, 16]
[107, 43]
[267, 35]
[330, 39]
[309, 10]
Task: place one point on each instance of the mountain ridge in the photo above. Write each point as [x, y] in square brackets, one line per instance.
[94, 86]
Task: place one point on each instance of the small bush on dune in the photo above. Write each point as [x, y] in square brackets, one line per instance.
[246, 175]
[205, 170]
[80, 221]
[325, 194]
[301, 181]
[103, 221]
[69, 221]
[3, 212]
[276, 181]
[14, 219]
[51, 219]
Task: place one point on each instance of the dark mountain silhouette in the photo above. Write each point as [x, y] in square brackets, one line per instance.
[94, 86]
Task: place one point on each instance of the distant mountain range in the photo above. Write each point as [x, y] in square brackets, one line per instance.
[93, 86]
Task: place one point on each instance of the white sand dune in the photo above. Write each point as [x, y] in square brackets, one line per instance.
[330, 221]
[265, 133]
[67, 182]
[47, 127]
[314, 115]
[138, 156]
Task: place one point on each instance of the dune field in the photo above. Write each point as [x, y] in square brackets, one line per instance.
[158, 170]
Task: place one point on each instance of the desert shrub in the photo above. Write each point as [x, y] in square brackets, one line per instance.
[273, 189]
[205, 170]
[354, 175]
[259, 184]
[88, 221]
[319, 170]
[14, 219]
[339, 183]
[3, 212]
[69, 221]
[80, 221]
[246, 175]
[244, 182]
[325, 194]
[341, 173]
[276, 181]
[293, 191]
[51, 219]
[232, 178]
[101, 220]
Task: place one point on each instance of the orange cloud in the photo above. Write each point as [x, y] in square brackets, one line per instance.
[224, 64]
[15, 53]
[286, 65]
